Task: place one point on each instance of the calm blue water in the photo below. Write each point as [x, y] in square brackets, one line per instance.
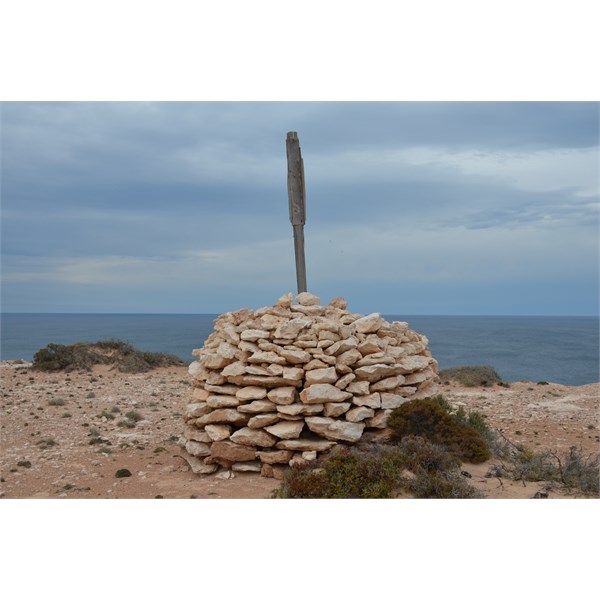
[558, 349]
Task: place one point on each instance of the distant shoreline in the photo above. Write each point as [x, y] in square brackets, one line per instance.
[561, 349]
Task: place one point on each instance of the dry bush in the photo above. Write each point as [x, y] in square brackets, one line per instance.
[83, 356]
[349, 473]
[415, 465]
[432, 419]
[472, 376]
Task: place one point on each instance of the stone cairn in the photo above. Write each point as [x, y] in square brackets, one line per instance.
[283, 384]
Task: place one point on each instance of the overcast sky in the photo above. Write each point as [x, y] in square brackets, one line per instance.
[412, 208]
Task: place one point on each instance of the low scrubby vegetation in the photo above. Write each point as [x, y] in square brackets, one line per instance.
[123, 356]
[472, 376]
[428, 441]
[573, 470]
[433, 419]
[346, 474]
[415, 468]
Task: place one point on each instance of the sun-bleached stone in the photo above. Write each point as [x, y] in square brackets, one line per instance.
[250, 347]
[275, 456]
[233, 369]
[343, 382]
[218, 432]
[326, 375]
[230, 451]
[215, 361]
[267, 357]
[348, 358]
[305, 445]
[215, 378]
[392, 400]
[283, 395]
[333, 429]
[387, 384]
[227, 390]
[410, 364]
[360, 413]
[223, 415]
[308, 299]
[370, 400]
[358, 388]
[222, 401]
[299, 409]
[418, 377]
[342, 346]
[197, 435]
[295, 356]
[253, 437]
[369, 323]
[292, 328]
[262, 420]
[197, 409]
[197, 448]
[378, 358]
[339, 302]
[369, 347]
[251, 392]
[198, 466]
[335, 409]
[200, 394]
[320, 393]
[287, 430]
[252, 466]
[315, 363]
[257, 406]
[196, 369]
[253, 335]
[226, 350]
[376, 372]
[286, 300]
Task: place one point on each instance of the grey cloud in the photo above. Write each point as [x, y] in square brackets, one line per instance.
[116, 188]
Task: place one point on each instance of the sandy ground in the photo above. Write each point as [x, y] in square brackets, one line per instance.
[56, 443]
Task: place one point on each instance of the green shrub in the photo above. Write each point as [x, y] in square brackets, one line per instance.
[441, 484]
[580, 472]
[423, 469]
[346, 474]
[573, 470]
[56, 402]
[478, 421]
[46, 443]
[422, 454]
[123, 473]
[431, 419]
[471, 376]
[83, 356]
[134, 416]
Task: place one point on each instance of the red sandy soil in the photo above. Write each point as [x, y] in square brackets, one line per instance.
[543, 417]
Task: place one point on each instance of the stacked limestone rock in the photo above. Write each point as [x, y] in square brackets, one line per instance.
[279, 385]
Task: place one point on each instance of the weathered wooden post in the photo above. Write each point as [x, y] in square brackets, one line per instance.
[297, 202]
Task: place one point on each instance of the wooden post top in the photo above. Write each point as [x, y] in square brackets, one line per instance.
[296, 192]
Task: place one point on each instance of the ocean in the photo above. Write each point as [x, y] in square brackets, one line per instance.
[556, 349]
